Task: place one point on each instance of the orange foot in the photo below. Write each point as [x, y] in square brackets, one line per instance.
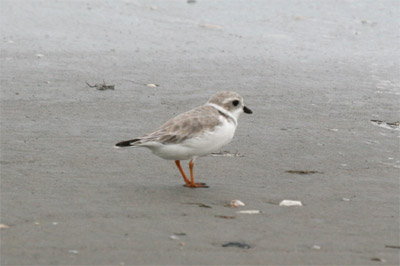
[195, 185]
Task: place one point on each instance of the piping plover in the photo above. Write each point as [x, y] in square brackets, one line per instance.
[196, 133]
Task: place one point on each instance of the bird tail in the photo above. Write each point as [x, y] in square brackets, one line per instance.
[127, 143]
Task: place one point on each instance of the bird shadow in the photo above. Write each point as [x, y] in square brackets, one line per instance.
[168, 193]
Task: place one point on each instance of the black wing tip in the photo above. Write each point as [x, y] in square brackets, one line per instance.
[126, 143]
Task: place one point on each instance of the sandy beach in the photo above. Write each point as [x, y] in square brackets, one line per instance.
[322, 79]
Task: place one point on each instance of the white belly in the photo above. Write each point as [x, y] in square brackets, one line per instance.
[199, 146]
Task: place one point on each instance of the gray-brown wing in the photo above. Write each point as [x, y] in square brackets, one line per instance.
[186, 125]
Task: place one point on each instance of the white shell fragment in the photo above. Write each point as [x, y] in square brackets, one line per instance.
[289, 203]
[3, 226]
[236, 203]
[39, 55]
[73, 251]
[249, 211]
[316, 247]
[345, 199]
[174, 237]
[151, 85]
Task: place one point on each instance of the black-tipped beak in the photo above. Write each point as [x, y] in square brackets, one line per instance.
[247, 110]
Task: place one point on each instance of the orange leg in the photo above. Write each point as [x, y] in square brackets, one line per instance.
[178, 164]
[192, 183]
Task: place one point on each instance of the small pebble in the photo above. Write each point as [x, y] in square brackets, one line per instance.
[3, 226]
[39, 55]
[174, 237]
[236, 203]
[345, 199]
[316, 247]
[378, 259]
[73, 251]
[236, 244]
[151, 85]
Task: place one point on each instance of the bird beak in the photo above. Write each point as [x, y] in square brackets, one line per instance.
[247, 110]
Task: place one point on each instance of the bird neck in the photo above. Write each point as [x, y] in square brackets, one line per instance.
[224, 111]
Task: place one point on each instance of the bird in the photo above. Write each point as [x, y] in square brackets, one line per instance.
[195, 133]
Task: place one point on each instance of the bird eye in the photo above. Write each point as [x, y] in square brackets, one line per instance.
[235, 102]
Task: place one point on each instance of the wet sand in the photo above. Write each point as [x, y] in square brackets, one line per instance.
[314, 74]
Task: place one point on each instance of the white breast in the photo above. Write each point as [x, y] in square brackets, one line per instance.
[201, 145]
